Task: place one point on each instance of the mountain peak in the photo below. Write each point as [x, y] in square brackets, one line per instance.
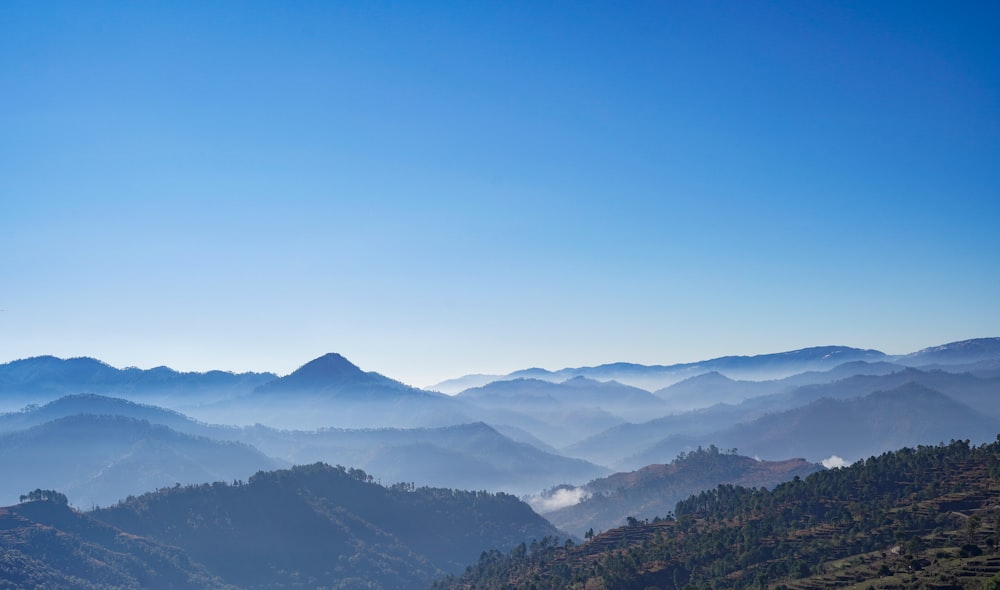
[331, 369]
[333, 374]
[329, 365]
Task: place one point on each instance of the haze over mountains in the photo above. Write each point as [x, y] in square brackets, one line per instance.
[652, 377]
[48, 377]
[526, 432]
[557, 438]
[89, 440]
[307, 527]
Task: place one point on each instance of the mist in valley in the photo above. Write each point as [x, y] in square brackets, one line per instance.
[514, 435]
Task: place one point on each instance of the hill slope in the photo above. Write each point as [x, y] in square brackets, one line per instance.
[47, 545]
[321, 526]
[924, 518]
[655, 490]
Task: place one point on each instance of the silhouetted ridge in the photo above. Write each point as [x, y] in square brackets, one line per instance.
[328, 367]
[51, 375]
[334, 527]
[77, 369]
[334, 374]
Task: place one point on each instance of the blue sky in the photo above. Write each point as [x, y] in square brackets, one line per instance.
[433, 189]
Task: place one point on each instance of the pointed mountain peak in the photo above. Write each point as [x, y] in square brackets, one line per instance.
[331, 369]
[330, 365]
[332, 373]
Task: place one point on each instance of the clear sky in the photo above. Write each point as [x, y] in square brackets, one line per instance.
[433, 189]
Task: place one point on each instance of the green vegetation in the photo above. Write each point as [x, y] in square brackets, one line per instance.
[45, 544]
[332, 527]
[924, 517]
[44, 495]
[656, 489]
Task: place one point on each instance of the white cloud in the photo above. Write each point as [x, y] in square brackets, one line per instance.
[833, 461]
[560, 498]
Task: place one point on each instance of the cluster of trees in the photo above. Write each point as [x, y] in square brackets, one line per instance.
[913, 500]
[44, 495]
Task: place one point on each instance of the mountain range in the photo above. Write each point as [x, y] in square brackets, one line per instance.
[531, 432]
[307, 527]
[193, 468]
[756, 367]
[48, 377]
[54, 377]
[98, 449]
[849, 429]
[99, 459]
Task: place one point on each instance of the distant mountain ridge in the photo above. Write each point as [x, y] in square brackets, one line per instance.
[596, 417]
[53, 376]
[99, 459]
[753, 367]
[578, 393]
[910, 414]
[974, 398]
[98, 435]
[692, 392]
[961, 352]
[100, 405]
[464, 456]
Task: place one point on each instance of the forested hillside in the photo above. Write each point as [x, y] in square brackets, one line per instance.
[322, 526]
[46, 544]
[924, 517]
[655, 489]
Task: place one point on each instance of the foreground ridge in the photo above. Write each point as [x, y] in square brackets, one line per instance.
[311, 526]
[327, 526]
[924, 517]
